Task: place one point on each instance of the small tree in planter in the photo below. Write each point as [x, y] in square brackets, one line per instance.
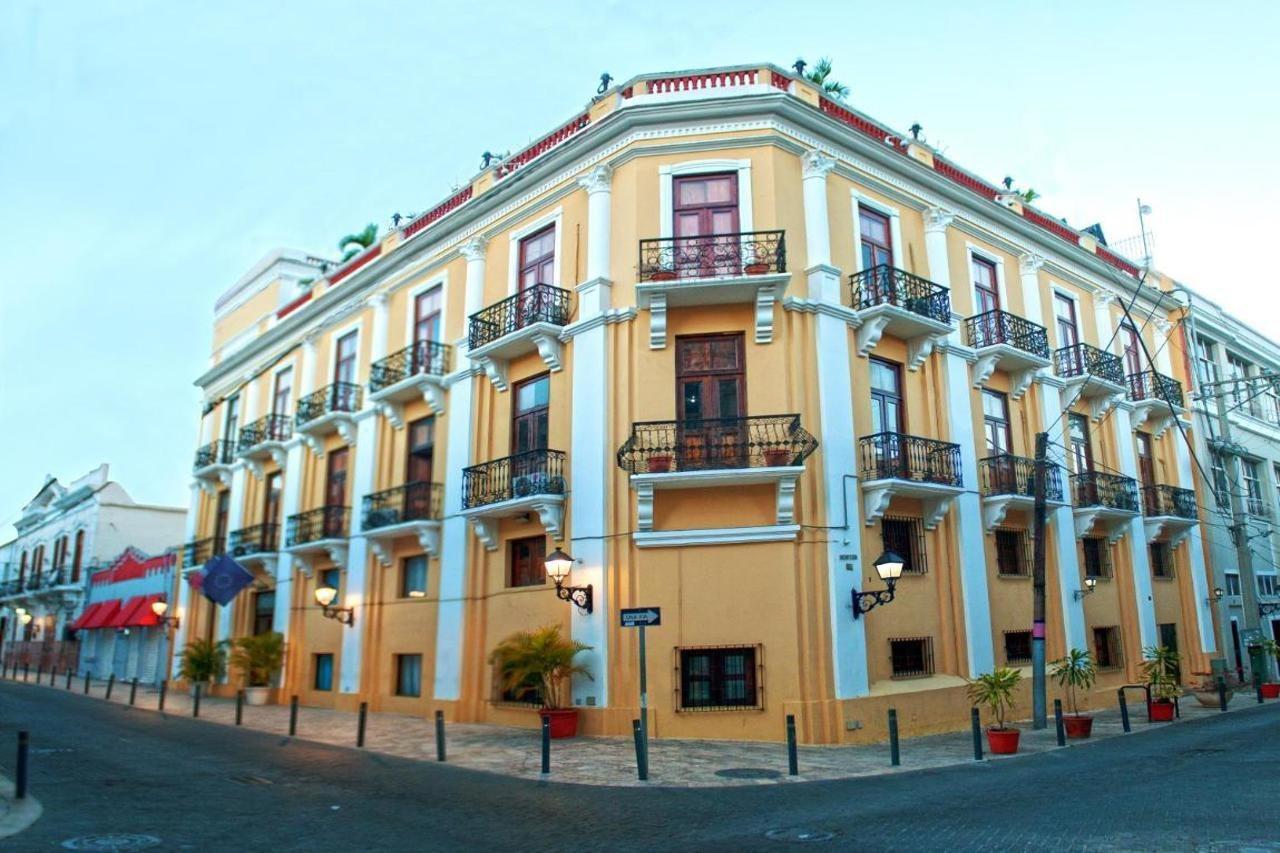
[1160, 666]
[544, 657]
[1076, 671]
[202, 662]
[1270, 686]
[258, 658]
[995, 689]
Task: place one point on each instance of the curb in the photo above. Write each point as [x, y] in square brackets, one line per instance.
[20, 814]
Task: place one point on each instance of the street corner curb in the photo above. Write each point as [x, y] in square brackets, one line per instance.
[16, 815]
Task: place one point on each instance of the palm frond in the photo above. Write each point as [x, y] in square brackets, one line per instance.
[358, 242]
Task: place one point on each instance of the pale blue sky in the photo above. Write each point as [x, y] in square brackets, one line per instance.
[151, 152]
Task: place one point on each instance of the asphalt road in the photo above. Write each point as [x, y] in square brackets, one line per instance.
[105, 769]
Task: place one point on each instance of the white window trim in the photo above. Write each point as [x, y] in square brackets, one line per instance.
[338, 334]
[441, 281]
[556, 218]
[895, 227]
[666, 190]
[1056, 290]
[973, 250]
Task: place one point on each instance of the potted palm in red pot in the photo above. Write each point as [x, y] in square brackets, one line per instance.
[995, 689]
[1160, 666]
[1076, 671]
[545, 658]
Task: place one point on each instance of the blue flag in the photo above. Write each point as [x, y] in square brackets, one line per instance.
[224, 578]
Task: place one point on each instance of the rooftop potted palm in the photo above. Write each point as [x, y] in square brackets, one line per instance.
[1076, 671]
[1160, 666]
[202, 662]
[258, 658]
[545, 658]
[996, 690]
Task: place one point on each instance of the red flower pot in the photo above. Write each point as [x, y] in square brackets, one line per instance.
[757, 268]
[777, 458]
[662, 275]
[1003, 741]
[1078, 726]
[1161, 711]
[1271, 690]
[564, 721]
[659, 464]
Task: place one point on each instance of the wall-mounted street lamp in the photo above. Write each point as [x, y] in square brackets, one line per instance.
[889, 568]
[1268, 608]
[325, 596]
[1215, 596]
[1090, 584]
[160, 607]
[558, 565]
[24, 617]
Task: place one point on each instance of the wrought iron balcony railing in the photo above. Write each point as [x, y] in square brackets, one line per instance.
[270, 428]
[1257, 507]
[1088, 360]
[338, 397]
[534, 472]
[428, 358]
[895, 456]
[200, 551]
[765, 441]
[1150, 385]
[410, 502]
[1006, 474]
[214, 453]
[540, 303]
[742, 253]
[1114, 491]
[1000, 327]
[314, 525]
[10, 587]
[258, 539]
[1169, 500]
[886, 285]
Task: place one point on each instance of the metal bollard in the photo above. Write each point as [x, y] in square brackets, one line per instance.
[20, 772]
[164, 687]
[195, 702]
[293, 716]
[439, 735]
[1222, 693]
[133, 690]
[1124, 710]
[793, 760]
[1257, 685]
[975, 722]
[546, 746]
[239, 706]
[26, 672]
[641, 771]
[86, 683]
[364, 712]
[53, 677]
[111, 682]
[39, 672]
[70, 673]
[1057, 718]
[894, 758]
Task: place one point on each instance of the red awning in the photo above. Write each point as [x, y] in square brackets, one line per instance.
[122, 616]
[86, 615]
[141, 615]
[107, 610]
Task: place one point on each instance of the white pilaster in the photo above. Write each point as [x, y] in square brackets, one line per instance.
[1194, 544]
[1061, 519]
[936, 222]
[355, 589]
[815, 167]
[599, 185]
[307, 377]
[1029, 273]
[474, 251]
[290, 504]
[183, 609]
[1164, 358]
[235, 520]
[378, 344]
[1137, 533]
[1102, 302]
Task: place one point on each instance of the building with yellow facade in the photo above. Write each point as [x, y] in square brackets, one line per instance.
[724, 341]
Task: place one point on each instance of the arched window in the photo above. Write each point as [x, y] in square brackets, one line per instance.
[37, 562]
[78, 557]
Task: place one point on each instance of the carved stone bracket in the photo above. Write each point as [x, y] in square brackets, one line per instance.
[658, 321]
[869, 334]
[486, 530]
[496, 371]
[920, 348]
[550, 348]
[1088, 518]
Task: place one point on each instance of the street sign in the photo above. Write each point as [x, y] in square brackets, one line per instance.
[641, 617]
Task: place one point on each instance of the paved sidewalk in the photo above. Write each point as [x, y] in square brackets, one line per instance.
[611, 761]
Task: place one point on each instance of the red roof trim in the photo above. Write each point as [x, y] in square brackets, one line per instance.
[356, 263]
[439, 211]
[543, 145]
[294, 305]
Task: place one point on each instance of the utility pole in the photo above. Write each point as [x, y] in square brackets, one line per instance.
[1239, 514]
[1037, 584]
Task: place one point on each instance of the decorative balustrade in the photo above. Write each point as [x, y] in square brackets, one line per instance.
[534, 472]
[1113, 491]
[429, 358]
[1150, 385]
[895, 456]
[712, 256]
[314, 525]
[258, 539]
[706, 80]
[338, 397]
[540, 303]
[218, 452]
[886, 285]
[268, 428]
[411, 502]
[542, 146]
[1000, 327]
[1006, 474]
[1170, 501]
[1088, 360]
[765, 441]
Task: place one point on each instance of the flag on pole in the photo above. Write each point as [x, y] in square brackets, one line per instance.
[224, 578]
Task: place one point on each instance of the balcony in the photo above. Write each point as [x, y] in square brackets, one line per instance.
[212, 465]
[1104, 501]
[414, 373]
[525, 322]
[747, 267]
[257, 543]
[1157, 400]
[527, 482]
[1091, 375]
[893, 464]
[329, 410]
[200, 551]
[414, 509]
[1010, 343]
[1169, 513]
[321, 531]
[265, 439]
[1008, 482]
[715, 453]
[906, 306]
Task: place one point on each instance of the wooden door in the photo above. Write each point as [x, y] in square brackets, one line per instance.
[418, 469]
[706, 225]
[335, 493]
[711, 401]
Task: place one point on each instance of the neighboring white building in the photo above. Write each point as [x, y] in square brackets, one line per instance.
[65, 532]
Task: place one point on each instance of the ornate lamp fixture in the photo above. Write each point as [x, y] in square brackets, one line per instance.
[325, 596]
[160, 607]
[558, 565]
[1090, 584]
[889, 567]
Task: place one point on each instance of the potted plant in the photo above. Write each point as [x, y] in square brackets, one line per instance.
[1160, 666]
[659, 463]
[1076, 671]
[545, 658]
[202, 662]
[1270, 650]
[258, 658]
[995, 689]
[757, 267]
[777, 457]
[658, 272]
[1205, 688]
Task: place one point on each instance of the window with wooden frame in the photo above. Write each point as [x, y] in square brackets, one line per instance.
[1064, 311]
[282, 393]
[1096, 553]
[344, 358]
[719, 678]
[413, 577]
[1013, 557]
[525, 561]
[530, 405]
[322, 671]
[986, 290]
[995, 422]
[875, 238]
[1161, 558]
[264, 611]
[1131, 347]
[1231, 583]
[1017, 647]
[77, 559]
[408, 669]
[538, 258]
[905, 537]
[910, 657]
[1107, 650]
[426, 314]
